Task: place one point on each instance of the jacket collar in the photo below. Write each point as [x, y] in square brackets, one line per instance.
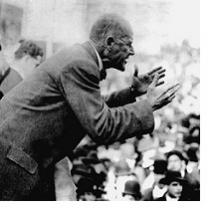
[89, 46]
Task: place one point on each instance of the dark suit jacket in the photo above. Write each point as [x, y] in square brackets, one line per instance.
[163, 198]
[44, 117]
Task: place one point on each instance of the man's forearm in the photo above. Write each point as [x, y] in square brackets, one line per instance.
[120, 98]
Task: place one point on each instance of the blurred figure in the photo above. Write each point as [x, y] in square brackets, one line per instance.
[27, 56]
[8, 77]
[122, 173]
[193, 169]
[156, 189]
[177, 162]
[175, 184]
[85, 191]
[131, 191]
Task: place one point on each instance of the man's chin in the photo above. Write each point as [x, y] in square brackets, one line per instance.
[121, 67]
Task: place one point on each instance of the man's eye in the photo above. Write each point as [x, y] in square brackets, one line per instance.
[174, 184]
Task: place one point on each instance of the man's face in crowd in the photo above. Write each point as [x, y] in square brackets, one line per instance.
[175, 189]
[175, 163]
[128, 197]
[28, 63]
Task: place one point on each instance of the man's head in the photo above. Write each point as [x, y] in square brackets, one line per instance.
[176, 161]
[113, 36]
[132, 191]
[27, 57]
[174, 183]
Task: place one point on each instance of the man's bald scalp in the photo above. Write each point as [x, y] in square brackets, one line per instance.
[110, 25]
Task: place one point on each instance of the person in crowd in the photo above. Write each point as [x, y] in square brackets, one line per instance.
[175, 184]
[4, 69]
[156, 189]
[27, 57]
[45, 116]
[177, 162]
[131, 191]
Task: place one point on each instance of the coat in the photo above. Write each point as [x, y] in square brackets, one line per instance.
[10, 80]
[45, 116]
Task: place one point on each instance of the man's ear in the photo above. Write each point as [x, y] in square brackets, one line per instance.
[109, 41]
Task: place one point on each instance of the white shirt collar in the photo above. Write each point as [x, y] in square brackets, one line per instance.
[168, 198]
[100, 63]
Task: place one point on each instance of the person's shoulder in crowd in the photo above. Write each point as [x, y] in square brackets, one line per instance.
[10, 81]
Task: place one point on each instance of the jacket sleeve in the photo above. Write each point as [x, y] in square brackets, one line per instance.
[80, 83]
[119, 98]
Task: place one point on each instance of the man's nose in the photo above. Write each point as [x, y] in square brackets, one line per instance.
[131, 51]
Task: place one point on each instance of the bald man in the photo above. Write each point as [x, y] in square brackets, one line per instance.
[44, 118]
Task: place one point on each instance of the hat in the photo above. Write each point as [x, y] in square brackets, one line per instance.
[132, 187]
[160, 166]
[178, 153]
[81, 169]
[172, 176]
[91, 158]
[85, 184]
[122, 168]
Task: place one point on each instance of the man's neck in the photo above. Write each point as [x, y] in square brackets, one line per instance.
[96, 49]
[171, 198]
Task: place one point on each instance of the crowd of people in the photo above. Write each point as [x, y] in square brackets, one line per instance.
[124, 171]
[163, 165]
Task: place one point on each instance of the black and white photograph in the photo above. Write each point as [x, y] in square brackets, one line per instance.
[100, 101]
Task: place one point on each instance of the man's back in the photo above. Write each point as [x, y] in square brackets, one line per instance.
[37, 124]
[38, 106]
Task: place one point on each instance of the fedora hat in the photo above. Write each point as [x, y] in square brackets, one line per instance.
[172, 176]
[132, 187]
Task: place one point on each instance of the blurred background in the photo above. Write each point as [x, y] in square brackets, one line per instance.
[166, 33]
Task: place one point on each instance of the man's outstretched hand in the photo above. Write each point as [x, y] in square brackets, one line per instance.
[164, 98]
[140, 83]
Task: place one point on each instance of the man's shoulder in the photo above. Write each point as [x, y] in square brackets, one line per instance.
[79, 56]
[75, 55]
[163, 198]
[76, 52]
[11, 80]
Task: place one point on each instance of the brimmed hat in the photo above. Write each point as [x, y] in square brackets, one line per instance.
[91, 158]
[85, 184]
[132, 187]
[81, 169]
[122, 168]
[180, 155]
[172, 176]
[160, 166]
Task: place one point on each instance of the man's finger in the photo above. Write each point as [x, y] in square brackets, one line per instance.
[161, 76]
[171, 98]
[170, 90]
[136, 70]
[155, 80]
[155, 70]
[160, 83]
[171, 94]
[162, 71]
[176, 87]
